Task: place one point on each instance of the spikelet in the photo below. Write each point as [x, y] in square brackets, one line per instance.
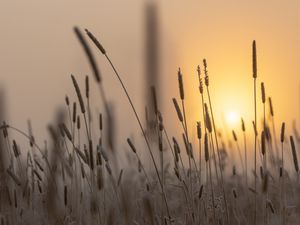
[234, 135]
[31, 137]
[176, 152]
[243, 125]
[96, 42]
[254, 128]
[234, 193]
[177, 174]
[233, 170]
[261, 169]
[153, 91]
[200, 80]
[186, 144]
[16, 149]
[131, 145]
[254, 63]
[86, 154]
[38, 165]
[37, 174]
[91, 154]
[270, 205]
[66, 195]
[206, 79]
[263, 143]
[282, 132]
[120, 177]
[88, 53]
[179, 114]
[99, 157]
[66, 131]
[104, 154]
[108, 168]
[67, 100]
[5, 133]
[207, 119]
[294, 154]
[40, 187]
[198, 71]
[263, 93]
[200, 192]
[82, 171]
[74, 112]
[78, 122]
[191, 150]
[206, 150]
[100, 122]
[139, 166]
[252, 190]
[87, 87]
[176, 144]
[199, 133]
[160, 143]
[271, 107]
[201, 87]
[160, 120]
[78, 94]
[81, 155]
[180, 83]
[268, 133]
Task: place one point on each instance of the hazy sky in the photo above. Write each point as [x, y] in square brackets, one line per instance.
[38, 52]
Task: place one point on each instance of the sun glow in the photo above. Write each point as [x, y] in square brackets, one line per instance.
[232, 118]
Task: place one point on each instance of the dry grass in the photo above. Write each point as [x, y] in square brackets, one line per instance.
[76, 177]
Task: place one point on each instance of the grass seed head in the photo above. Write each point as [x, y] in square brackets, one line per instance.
[180, 83]
[294, 153]
[78, 94]
[96, 42]
[282, 132]
[179, 114]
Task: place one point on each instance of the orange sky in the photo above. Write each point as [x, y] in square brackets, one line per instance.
[38, 52]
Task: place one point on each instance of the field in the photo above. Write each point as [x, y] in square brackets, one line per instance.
[77, 178]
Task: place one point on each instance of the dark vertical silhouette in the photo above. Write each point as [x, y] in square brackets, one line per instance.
[151, 61]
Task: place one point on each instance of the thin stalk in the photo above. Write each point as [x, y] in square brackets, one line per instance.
[34, 143]
[240, 155]
[245, 153]
[282, 187]
[187, 139]
[219, 158]
[214, 156]
[200, 160]
[142, 129]
[212, 191]
[255, 153]
[169, 143]
[254, 70]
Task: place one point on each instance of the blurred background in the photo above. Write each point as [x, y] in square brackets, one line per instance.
[148, 41]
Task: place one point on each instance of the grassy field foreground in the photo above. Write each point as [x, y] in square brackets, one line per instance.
[76, 177]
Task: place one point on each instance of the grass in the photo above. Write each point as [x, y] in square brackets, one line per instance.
[75, 178]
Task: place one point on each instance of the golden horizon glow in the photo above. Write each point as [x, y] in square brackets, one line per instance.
[232, 117]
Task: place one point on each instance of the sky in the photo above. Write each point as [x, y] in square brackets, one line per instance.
[39, 52]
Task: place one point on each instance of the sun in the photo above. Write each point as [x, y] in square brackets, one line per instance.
[232, 118]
